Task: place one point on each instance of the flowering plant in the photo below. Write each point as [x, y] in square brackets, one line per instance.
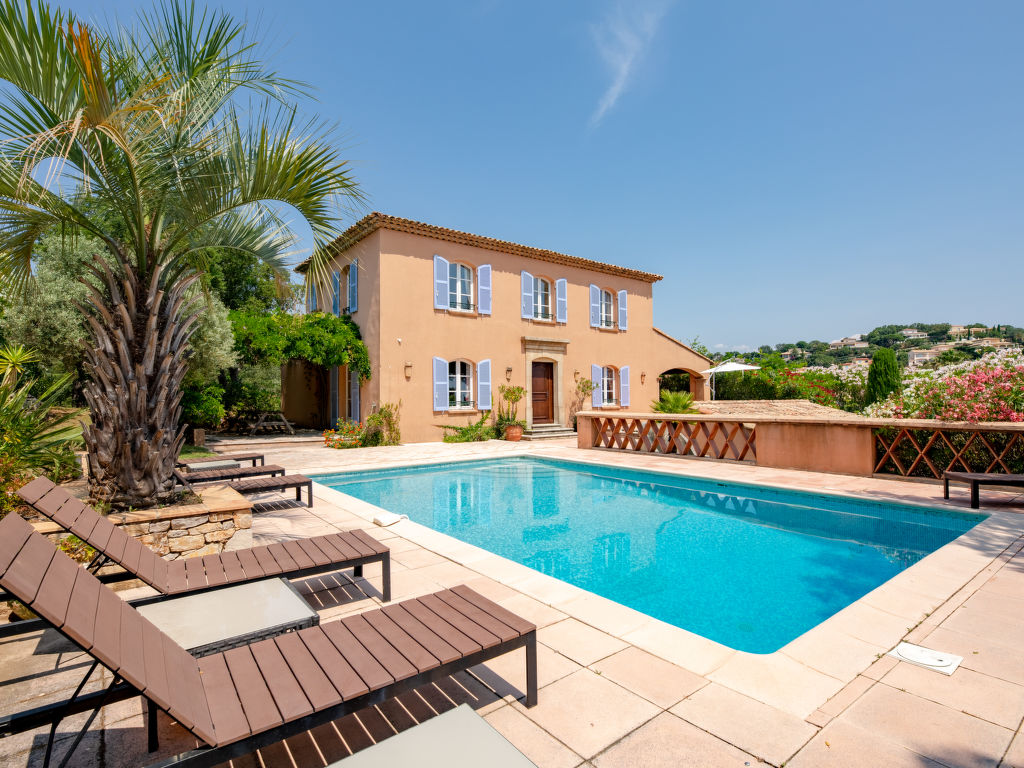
[988, 389]
[348, 434]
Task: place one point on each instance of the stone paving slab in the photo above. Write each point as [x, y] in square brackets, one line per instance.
[614, 711]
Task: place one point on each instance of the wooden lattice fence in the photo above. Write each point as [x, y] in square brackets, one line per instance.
[733, 440]
[929, 452]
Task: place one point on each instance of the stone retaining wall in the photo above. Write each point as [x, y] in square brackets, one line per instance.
[222, 521]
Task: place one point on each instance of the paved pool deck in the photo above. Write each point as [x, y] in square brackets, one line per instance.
[619, 688]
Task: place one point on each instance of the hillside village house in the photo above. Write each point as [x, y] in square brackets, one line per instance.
[448, 317]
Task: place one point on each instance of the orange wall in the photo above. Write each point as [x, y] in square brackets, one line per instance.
[403, 331]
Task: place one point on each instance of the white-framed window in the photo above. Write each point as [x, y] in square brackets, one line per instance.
[607, 309]
[460, 384]
[542, 299]
[608, 385]
[460, 287]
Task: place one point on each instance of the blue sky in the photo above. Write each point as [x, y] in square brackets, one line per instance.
[796, 169]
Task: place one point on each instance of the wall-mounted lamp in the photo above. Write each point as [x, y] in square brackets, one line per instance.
[643, 376]
[508, 373]
[576, 375]
[408, 370]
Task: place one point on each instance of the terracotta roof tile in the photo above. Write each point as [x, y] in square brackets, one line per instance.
[374, 221]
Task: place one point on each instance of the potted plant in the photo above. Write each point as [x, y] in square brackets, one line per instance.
[506, 421]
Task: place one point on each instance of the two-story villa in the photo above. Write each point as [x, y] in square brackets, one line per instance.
[449, 317]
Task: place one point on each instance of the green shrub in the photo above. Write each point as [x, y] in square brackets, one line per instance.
[12, 477]
[477, 432]
[883, 376]
[674, 402]
[202, 406]
[382, 426]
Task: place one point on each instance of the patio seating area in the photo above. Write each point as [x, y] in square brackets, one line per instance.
[617, 688]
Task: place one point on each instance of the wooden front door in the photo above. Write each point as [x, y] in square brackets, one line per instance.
[543, 393]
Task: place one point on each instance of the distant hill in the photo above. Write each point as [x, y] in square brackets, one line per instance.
[947, 343]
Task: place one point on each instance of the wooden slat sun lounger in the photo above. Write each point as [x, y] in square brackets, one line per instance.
[977, 479]
[196, 476]
[239, 457]
[240, 700]
[253, 485]
[292, 559]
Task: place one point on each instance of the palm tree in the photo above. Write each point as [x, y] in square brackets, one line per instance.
[135, 137]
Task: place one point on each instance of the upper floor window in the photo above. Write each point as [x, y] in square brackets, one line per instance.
[607, 309]
[460, 287]
[541, 299]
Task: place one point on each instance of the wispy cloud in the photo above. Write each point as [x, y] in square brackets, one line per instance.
[622, 37]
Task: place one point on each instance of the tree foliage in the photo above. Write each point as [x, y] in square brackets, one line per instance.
[316, 337]
[883, 376]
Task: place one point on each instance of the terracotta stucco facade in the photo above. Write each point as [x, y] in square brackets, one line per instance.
[406, 333]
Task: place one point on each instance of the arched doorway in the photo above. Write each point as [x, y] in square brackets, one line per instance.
[684, 380]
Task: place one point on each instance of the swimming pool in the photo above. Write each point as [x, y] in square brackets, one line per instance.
[750, 567]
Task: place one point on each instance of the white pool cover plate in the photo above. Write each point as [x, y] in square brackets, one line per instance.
[946, 663]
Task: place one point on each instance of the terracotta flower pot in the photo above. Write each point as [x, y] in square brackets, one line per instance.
[514, 432]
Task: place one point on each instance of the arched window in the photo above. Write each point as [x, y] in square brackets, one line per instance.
[542, 299]
[608, 385]
[460, 384]
[460, 287]
[607, 309]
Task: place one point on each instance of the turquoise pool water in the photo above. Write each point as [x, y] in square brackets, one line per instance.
[749, 567]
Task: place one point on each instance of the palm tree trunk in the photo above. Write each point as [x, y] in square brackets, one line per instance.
[135, 367]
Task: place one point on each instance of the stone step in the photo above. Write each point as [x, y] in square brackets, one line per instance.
[548, 432]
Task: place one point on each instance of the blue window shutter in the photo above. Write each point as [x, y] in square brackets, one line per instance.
[334, 396]
[440, 384]
[624, 386]
[483, 291]
[623, 315]
[312, 298]
[562, 300]
[441, 287]
[483, 385]
[353, 286]
[353, 395]
[595, 306]
[527, 283]
[597, 397]
[336, 292]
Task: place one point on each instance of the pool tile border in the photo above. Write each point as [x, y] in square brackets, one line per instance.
[790, 679]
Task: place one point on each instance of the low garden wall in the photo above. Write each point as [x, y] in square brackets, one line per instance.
[920, 448]
[221, 521]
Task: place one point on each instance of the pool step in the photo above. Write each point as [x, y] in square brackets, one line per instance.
[548, 432]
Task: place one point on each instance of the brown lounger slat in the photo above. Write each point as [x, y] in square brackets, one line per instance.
[402, 641]
[51, 504]
[438, 647]
[214, 570]
[288, 696]
[250, 565]
[331, 552]
[361, 660]
[394, 662]
[55, 591]
[101, 533]
[313, 552]
[258, 703]
[315, 684]
[227, 475]
[115, 546]
[341, 542]
[11, 544]
[496, 627]
[267, 562]
[232, 566]
[458, 640]
[341, 674]
[195, 573]
[109, 611]
[229, 721]
[284, 559]
[505, 616]
[176, 580]
[466, 626]
[295, 550]
[84, 524]
[133, 667]
[27, 572]
[187, 693]
[132, 554]
[35, 490]
[155, 663]
[80, 624]
[375, 546]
